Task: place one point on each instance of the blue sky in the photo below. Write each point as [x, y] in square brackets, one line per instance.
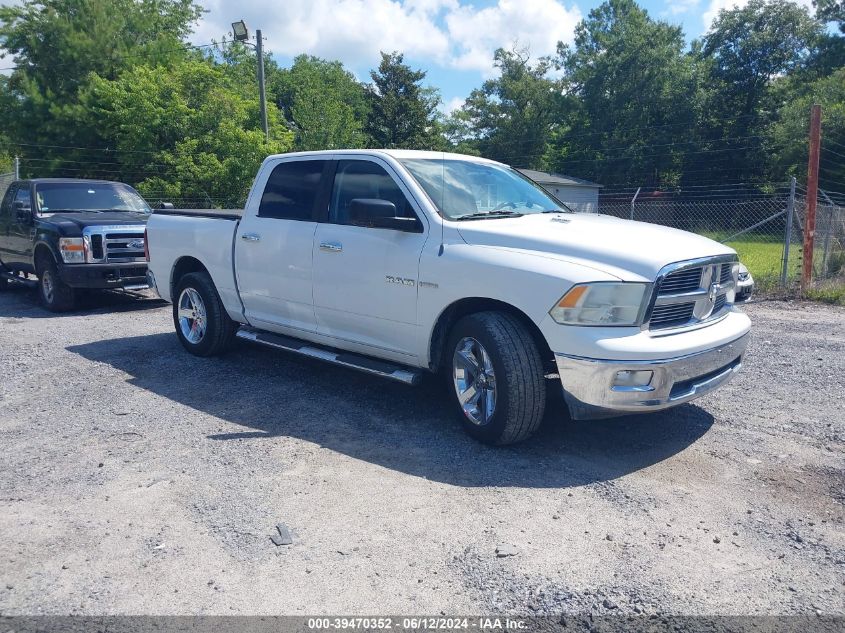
[453, 40]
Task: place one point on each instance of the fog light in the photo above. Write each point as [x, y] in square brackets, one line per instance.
[636, 378]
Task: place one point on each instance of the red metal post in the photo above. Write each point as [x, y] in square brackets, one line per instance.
[812, 195]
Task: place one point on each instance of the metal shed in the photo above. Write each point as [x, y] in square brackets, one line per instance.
[581, 195]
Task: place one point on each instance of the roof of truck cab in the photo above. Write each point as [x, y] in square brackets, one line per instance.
[394, 153]
[72, 180]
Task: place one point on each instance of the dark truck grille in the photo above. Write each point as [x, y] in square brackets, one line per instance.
[123, 247]
[97, 246]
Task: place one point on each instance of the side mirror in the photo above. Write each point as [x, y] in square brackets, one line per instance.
[380, 214]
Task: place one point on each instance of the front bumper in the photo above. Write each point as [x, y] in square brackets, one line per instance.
[589, 390]
[129, 276]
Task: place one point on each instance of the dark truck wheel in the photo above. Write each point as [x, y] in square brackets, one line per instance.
[496, 377]
[53, 293]
[202, 325]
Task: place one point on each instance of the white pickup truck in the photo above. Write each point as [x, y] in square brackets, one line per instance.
[401, 262]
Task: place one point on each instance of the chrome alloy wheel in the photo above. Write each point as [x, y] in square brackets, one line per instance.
[47, 288]
[475, 381]
[192, 316]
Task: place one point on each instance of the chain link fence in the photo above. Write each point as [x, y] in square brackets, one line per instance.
[765, 228]
[828, 238]
[5, 181]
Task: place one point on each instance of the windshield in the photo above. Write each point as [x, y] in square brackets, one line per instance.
[466, 189]
[88, 196]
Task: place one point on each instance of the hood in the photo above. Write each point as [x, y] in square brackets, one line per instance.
[603, 242]
[78, 221]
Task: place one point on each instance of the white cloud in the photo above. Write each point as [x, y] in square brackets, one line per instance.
[535, 24]
[717, 5]
[443, 32]
[677, 7]
[348, 30]
[455, 103]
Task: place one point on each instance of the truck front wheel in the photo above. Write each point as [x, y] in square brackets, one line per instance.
[496, 377]
[54, 294]
[202, 325]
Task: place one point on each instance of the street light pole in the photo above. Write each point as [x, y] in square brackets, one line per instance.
[241, 34]
[262, 93]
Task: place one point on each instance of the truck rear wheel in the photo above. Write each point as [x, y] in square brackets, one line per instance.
[53, 293]
[202, 325]
[496, 377]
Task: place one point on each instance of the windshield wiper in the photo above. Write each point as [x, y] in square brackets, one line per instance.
[489, 214]
[71, 211]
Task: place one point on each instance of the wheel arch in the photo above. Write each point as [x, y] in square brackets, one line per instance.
[181, 267]
[470, 305]
[43, 249]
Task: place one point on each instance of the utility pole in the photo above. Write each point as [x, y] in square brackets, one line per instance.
[17, 168]
[262, 93]
[812, 195]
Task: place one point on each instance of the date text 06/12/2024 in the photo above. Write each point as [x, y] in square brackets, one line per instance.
[416, 623]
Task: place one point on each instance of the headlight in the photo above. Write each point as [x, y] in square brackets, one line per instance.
[601, 303]
[72, 250]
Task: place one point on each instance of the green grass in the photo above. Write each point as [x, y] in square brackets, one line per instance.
[763, 255]
[828, 293]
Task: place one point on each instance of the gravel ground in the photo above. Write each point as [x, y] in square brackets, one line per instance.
[138, 479]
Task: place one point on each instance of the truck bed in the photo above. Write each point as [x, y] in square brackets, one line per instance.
[218, 214]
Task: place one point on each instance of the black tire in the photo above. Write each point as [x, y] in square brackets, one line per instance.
[219, 328]
[520, 386]
[53, 293]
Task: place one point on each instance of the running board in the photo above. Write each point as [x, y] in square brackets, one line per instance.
[382, 368]
[29, 283]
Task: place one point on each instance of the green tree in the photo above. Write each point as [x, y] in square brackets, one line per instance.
[788, 135]
[752, 51]
[402, 111]
[755, 44]
[185, 132]
[322, 102]
[831, 11]
[57, 45]
[511, 117]
[634, 99]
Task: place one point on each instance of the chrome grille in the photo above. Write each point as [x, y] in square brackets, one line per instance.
[685, 280]
[124, 247]
[688, 293]
[671, 315]
[115, 244]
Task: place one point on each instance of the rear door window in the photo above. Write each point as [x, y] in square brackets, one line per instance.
[291, 190]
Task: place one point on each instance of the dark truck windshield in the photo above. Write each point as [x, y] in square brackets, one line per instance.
[468, 189]
[88, 196]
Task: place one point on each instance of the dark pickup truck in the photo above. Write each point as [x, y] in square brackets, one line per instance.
[72, 234]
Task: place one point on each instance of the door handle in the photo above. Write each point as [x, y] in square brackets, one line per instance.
[331, 247]
[251, 237]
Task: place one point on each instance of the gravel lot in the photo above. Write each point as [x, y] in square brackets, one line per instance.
[139, 479]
